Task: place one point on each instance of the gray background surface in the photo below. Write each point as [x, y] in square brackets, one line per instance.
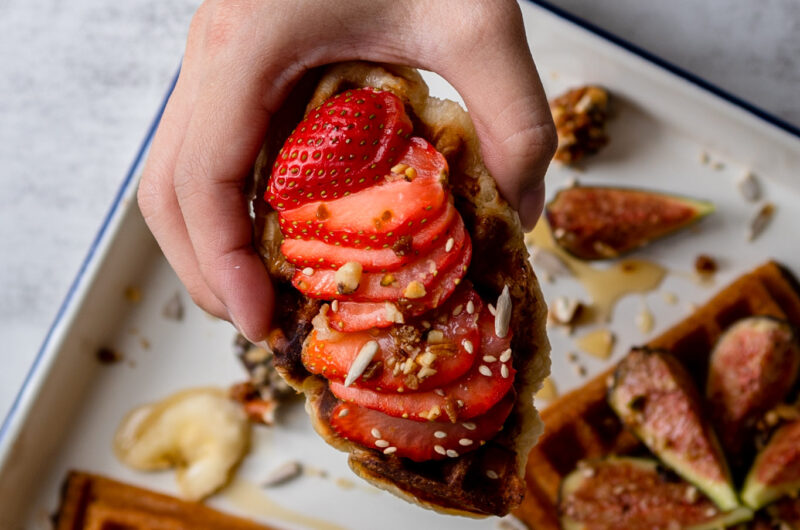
[81, 80]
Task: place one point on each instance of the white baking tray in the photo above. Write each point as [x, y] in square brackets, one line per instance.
[70, 405]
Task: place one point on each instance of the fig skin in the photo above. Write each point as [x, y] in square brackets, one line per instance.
[636, 493]
[776, 470]
[595, 222]
[752, 369]
[655, 397]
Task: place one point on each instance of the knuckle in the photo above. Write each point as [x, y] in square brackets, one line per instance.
[223, 21]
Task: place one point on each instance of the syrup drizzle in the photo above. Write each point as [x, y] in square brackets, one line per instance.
[605, 286]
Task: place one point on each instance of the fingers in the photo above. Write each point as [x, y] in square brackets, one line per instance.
[156, 194]
[218, 150]
[504, 95]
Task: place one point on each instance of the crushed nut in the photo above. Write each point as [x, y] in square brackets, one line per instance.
[348, 277]
[414, 290]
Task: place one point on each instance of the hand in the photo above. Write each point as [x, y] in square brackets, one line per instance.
[242, 57]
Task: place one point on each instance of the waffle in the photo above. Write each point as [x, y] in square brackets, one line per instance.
[93, 502]
[581, 425]
[454, 485]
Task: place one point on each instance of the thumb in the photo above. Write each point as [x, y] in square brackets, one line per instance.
[504, 95]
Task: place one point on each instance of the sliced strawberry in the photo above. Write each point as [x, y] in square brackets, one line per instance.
[319, 254]
[346, 144]
[379, 215]
[488, 380]
[395, 285]
[417, 440]
[437, 360]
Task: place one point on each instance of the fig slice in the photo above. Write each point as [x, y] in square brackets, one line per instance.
[593, 222]
[655, 397]
[637, 493]
[752, 368]
[776, 470]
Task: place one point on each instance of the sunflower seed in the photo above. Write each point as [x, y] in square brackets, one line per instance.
[503, 316]
[749, 187]
[283, 473]
[361, 362]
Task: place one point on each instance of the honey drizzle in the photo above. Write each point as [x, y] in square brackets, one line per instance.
[605, 286]
[250, 499]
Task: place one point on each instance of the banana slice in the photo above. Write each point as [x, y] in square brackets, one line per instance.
[199, 431]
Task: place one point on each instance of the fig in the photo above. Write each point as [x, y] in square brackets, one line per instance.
[637, 493]
[786, 511]
[752, 368]
[592, 222]
[655, 397]
[776, 470]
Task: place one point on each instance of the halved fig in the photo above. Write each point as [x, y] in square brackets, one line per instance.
[636, 493]
[752, 368]
[656, 398]
[592, 222]
[776, 471]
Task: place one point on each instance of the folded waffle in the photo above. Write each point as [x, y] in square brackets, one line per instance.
[581, 425]
[454, 485]
[98, 503]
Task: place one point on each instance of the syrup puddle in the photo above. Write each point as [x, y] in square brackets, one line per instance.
[249, 498]
[605, 286]
[597, 343]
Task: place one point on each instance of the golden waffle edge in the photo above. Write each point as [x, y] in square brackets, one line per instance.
[93, 502]
[581, 425]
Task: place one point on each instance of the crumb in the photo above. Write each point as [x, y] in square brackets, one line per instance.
[108, 356]
[144, 343]
[705, 265]
[133, 294]
[174, 308]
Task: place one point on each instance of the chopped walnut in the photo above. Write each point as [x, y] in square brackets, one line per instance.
[580, 117]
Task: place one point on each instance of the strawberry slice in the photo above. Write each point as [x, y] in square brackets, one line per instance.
[379, 215]
[439, 351]
[413, 281]
[319, 254]
[417, 440]
[348, 143]
[487, 381]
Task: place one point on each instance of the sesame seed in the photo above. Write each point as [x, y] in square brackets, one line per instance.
[381, 443]
[492, 474]
[344, 412]
[467, 344]
[451, 453]
[470, 307]
[439, 392]
[449, 245]
[469, 426]
[440, 434]
[465, 442]
[457, 310]
[459, 403]
[484, 370]
[489, 358]
[360, 363]
[505, 356]
[308, 271]
[504, 371]
[439, 449]
[335, 305]
[375, 433]
[390, 450]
